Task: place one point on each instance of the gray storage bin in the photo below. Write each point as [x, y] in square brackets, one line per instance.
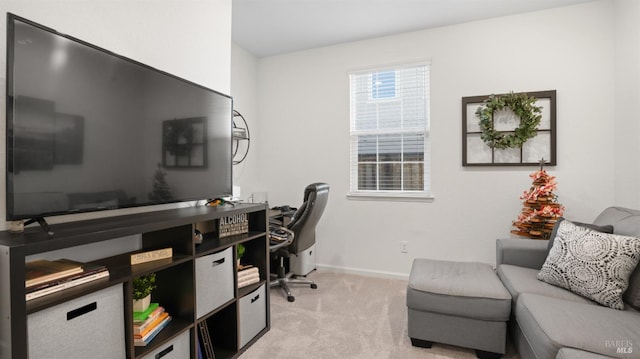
[178, 348]
[214, 281]
[91, 326]
[253, 314]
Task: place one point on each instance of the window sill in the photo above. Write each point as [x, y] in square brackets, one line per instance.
[391, 196]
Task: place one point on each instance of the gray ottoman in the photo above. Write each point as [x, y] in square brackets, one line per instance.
[458, 303]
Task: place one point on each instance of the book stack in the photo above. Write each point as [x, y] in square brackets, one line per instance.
[44, 277]
[147, 324]
[248, 275]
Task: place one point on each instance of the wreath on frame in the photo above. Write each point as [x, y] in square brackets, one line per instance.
[523, 106]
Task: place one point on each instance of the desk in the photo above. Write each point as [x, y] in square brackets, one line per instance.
[278, 217]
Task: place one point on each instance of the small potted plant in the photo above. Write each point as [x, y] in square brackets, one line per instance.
[240, 249]
[142, 288]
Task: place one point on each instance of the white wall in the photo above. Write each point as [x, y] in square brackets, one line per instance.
[244, 77]
[190, 39]
[304, 133]
[627, 97]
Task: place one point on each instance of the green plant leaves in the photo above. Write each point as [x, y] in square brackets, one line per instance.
[523, 106]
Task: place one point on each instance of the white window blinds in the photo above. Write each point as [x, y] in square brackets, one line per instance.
[390, 130]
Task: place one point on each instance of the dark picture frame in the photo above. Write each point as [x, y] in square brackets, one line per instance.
[184, 143]
[542, 146]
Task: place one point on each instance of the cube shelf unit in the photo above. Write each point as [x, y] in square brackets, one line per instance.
[177, 282]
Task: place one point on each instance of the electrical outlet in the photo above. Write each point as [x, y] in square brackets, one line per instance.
[404, 247]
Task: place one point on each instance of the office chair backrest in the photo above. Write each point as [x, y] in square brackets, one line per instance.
[304, 221]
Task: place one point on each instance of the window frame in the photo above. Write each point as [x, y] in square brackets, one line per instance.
[354, 134]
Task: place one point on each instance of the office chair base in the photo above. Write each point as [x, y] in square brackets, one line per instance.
[284, 282]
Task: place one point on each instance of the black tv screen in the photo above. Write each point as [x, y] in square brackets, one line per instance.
[91, 130]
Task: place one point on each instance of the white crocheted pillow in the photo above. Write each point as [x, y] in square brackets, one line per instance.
[592, 264]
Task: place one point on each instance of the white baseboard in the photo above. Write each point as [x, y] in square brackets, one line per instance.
[364, 272]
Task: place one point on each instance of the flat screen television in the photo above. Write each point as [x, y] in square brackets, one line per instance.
[91, 130]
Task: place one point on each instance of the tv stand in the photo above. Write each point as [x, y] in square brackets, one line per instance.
[42, 222]
[197, 285]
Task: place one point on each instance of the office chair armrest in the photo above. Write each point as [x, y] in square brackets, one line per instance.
[277, 245]
[276, 221]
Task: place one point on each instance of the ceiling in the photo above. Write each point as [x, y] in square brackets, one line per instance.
[272, 27]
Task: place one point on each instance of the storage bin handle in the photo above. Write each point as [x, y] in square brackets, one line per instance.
[82, 310]
[166, 351]
[255, 298]
[217, 262]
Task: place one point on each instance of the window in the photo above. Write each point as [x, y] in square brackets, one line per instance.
[390, 131]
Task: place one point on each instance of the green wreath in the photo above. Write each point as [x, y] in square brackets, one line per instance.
[523, 106]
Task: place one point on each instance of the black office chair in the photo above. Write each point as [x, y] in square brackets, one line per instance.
[303, 225]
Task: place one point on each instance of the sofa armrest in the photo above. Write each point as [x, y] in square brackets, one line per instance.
[529, 253]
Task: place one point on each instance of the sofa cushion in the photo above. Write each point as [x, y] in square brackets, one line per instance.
[625, 221]
[605, 228]
[520, 280]
[591, 263]
[632, 294]
[549, 324]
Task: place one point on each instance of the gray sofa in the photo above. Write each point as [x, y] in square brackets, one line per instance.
[551, 322]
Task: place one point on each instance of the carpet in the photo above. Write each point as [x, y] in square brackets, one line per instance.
[348, 316]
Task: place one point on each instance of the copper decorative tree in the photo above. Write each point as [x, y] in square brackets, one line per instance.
[540, 209]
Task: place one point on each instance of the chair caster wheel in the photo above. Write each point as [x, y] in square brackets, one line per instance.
[314, 286]
[291, 298]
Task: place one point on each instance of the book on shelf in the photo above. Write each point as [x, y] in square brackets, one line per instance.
[42, 271]
[87, 269]
[140, 317]
[247, 275]
[207, 345]
[89, 273]
[248, 272]
[141, 327]
[141, 342]
[248, 281]
[151, 326]
[66, 284]
[199, 348]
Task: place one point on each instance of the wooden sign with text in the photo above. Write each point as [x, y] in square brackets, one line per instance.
[232, 225]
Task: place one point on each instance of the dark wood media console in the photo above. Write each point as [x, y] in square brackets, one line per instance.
[233, 325]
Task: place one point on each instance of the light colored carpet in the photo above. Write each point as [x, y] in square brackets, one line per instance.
[348, 316]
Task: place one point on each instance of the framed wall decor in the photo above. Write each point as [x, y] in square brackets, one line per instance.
[184, 143]
[521, 146]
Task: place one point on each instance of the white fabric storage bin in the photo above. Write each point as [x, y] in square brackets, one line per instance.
[91, 326]
[214, 281]
[178, 348]
[253, 314]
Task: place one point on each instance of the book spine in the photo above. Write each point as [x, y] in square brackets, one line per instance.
[66, 285]
[247, 272]
[248, 282]
[55, 282]
[144, 341]
[249, 277]
[138, 328]
[50, 277]
[141, 332]
[206, 340]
